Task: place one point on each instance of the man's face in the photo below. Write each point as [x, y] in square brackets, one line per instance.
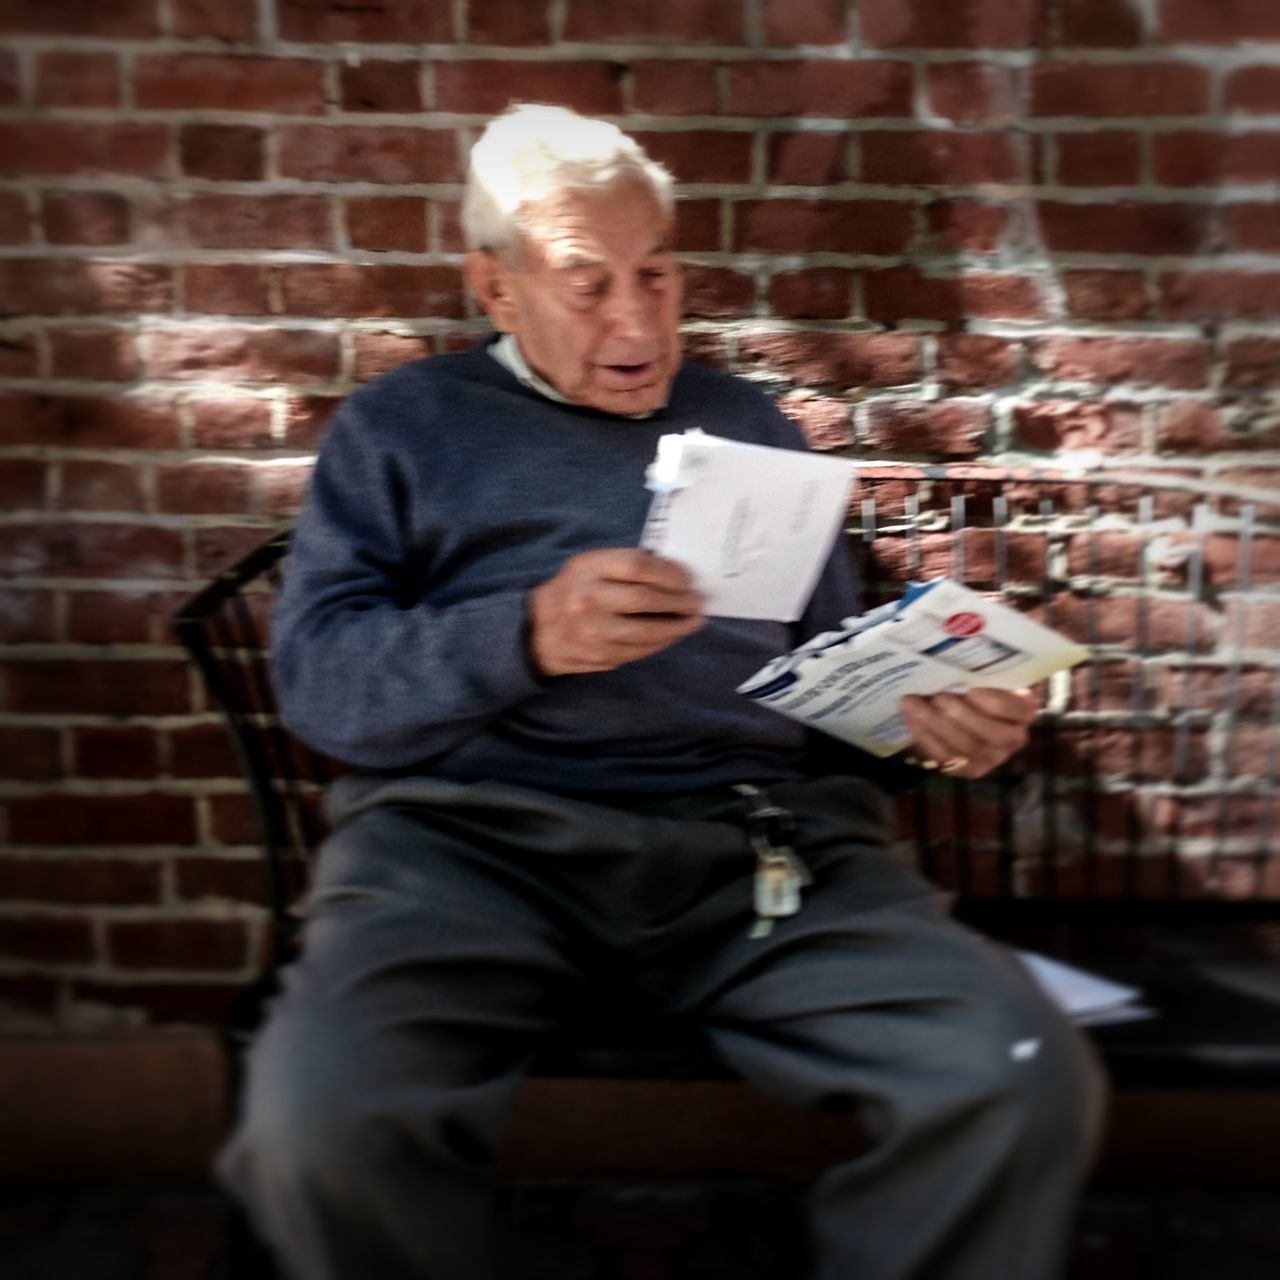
[592, 295]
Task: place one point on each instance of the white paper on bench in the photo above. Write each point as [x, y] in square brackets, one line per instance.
[754, 525]
[1084, 997]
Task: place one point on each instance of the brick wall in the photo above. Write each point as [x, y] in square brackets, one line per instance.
[1055, 220]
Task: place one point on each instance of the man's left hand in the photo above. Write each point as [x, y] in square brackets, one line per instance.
[967, 735]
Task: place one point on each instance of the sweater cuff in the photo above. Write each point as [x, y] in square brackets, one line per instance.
[490, 645]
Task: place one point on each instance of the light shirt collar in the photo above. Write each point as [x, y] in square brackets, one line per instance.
[506, 351]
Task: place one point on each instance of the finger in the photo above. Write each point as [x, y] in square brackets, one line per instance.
[633, 564]
[936, 737]
[640, 632]
[632, 599]
[1014, 706]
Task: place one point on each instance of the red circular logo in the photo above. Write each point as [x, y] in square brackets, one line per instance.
[964, 624]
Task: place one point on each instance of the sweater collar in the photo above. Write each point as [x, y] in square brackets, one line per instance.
[506, 351]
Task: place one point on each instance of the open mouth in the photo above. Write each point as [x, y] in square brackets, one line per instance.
[631, 373]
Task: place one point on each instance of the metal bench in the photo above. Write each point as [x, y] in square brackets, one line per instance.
[1138, 835]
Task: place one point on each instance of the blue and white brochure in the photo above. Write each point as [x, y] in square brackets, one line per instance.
[939, 638]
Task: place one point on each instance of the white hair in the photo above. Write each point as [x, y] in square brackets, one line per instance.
[532, 151]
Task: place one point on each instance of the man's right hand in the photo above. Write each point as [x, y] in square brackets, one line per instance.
[607, 608]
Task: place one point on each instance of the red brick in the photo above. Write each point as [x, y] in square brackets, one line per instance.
[15, 219]
[118, 617]
[218, 547]
[92, 485]
[698, 226]
[66, 79]
[228, 82]
[85, 217]
[446, 217]
[73, 286]
[507, 22]
[808, 159]
[88, 422]
[1253, 364]
[825, 420]
[1220, 21]
[117, 751]
[137, 687]
[178, 944]
[84, 550]
[842, 359]
[951, 429]
[973, 92]
[31, 754]
[817, 226]
[209, 488]
[674, 88]
[1223, 553]
[19, 357]
[1161, 362]
[106, 820]
[1105, 295]
[10, 84]
[903, 293]
[925, 24]
[377, 352]
[234, 20]
[249, 355]
[1110, 427]
[941, 158]
[1192, 427]
[381, 86]
[1219, 295]
[793, 22]
[60, 940]
[1100, 159]
[1124, 227]
[1100, 24]
[965, 226]
[717, 293]
[246, 222]
[236, 879]
[27, 617]
[108, 355]
[818, 293]
[976, 362]
[1253, 228]
[594, 88]
[655, 21]
[83, 147]
[129, 19]
[279, 489]
[701, 155]
[306, 417]
[370, 22]
[233, 152]
[1254, 89]
[231, 424]
[202, 751]
[808, 88]
[1133, 89]
[228, 288]
[387, 222]
[1201, 159]
[349, 289]
[369, 153]
[22, 484]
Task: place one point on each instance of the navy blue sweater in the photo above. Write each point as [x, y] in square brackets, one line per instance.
[444, 491]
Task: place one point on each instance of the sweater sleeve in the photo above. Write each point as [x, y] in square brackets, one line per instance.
[362, 673]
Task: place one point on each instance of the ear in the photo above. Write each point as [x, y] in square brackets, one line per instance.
[488, 279]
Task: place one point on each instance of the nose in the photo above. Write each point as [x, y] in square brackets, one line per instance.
[630, 311]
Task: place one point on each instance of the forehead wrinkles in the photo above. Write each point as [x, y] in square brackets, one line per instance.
[591, 227]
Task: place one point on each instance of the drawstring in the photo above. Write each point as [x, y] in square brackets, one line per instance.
[780, 875]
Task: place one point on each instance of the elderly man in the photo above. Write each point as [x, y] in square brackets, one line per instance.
[558, 789]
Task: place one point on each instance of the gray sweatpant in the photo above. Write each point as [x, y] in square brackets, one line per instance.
[450, 926]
